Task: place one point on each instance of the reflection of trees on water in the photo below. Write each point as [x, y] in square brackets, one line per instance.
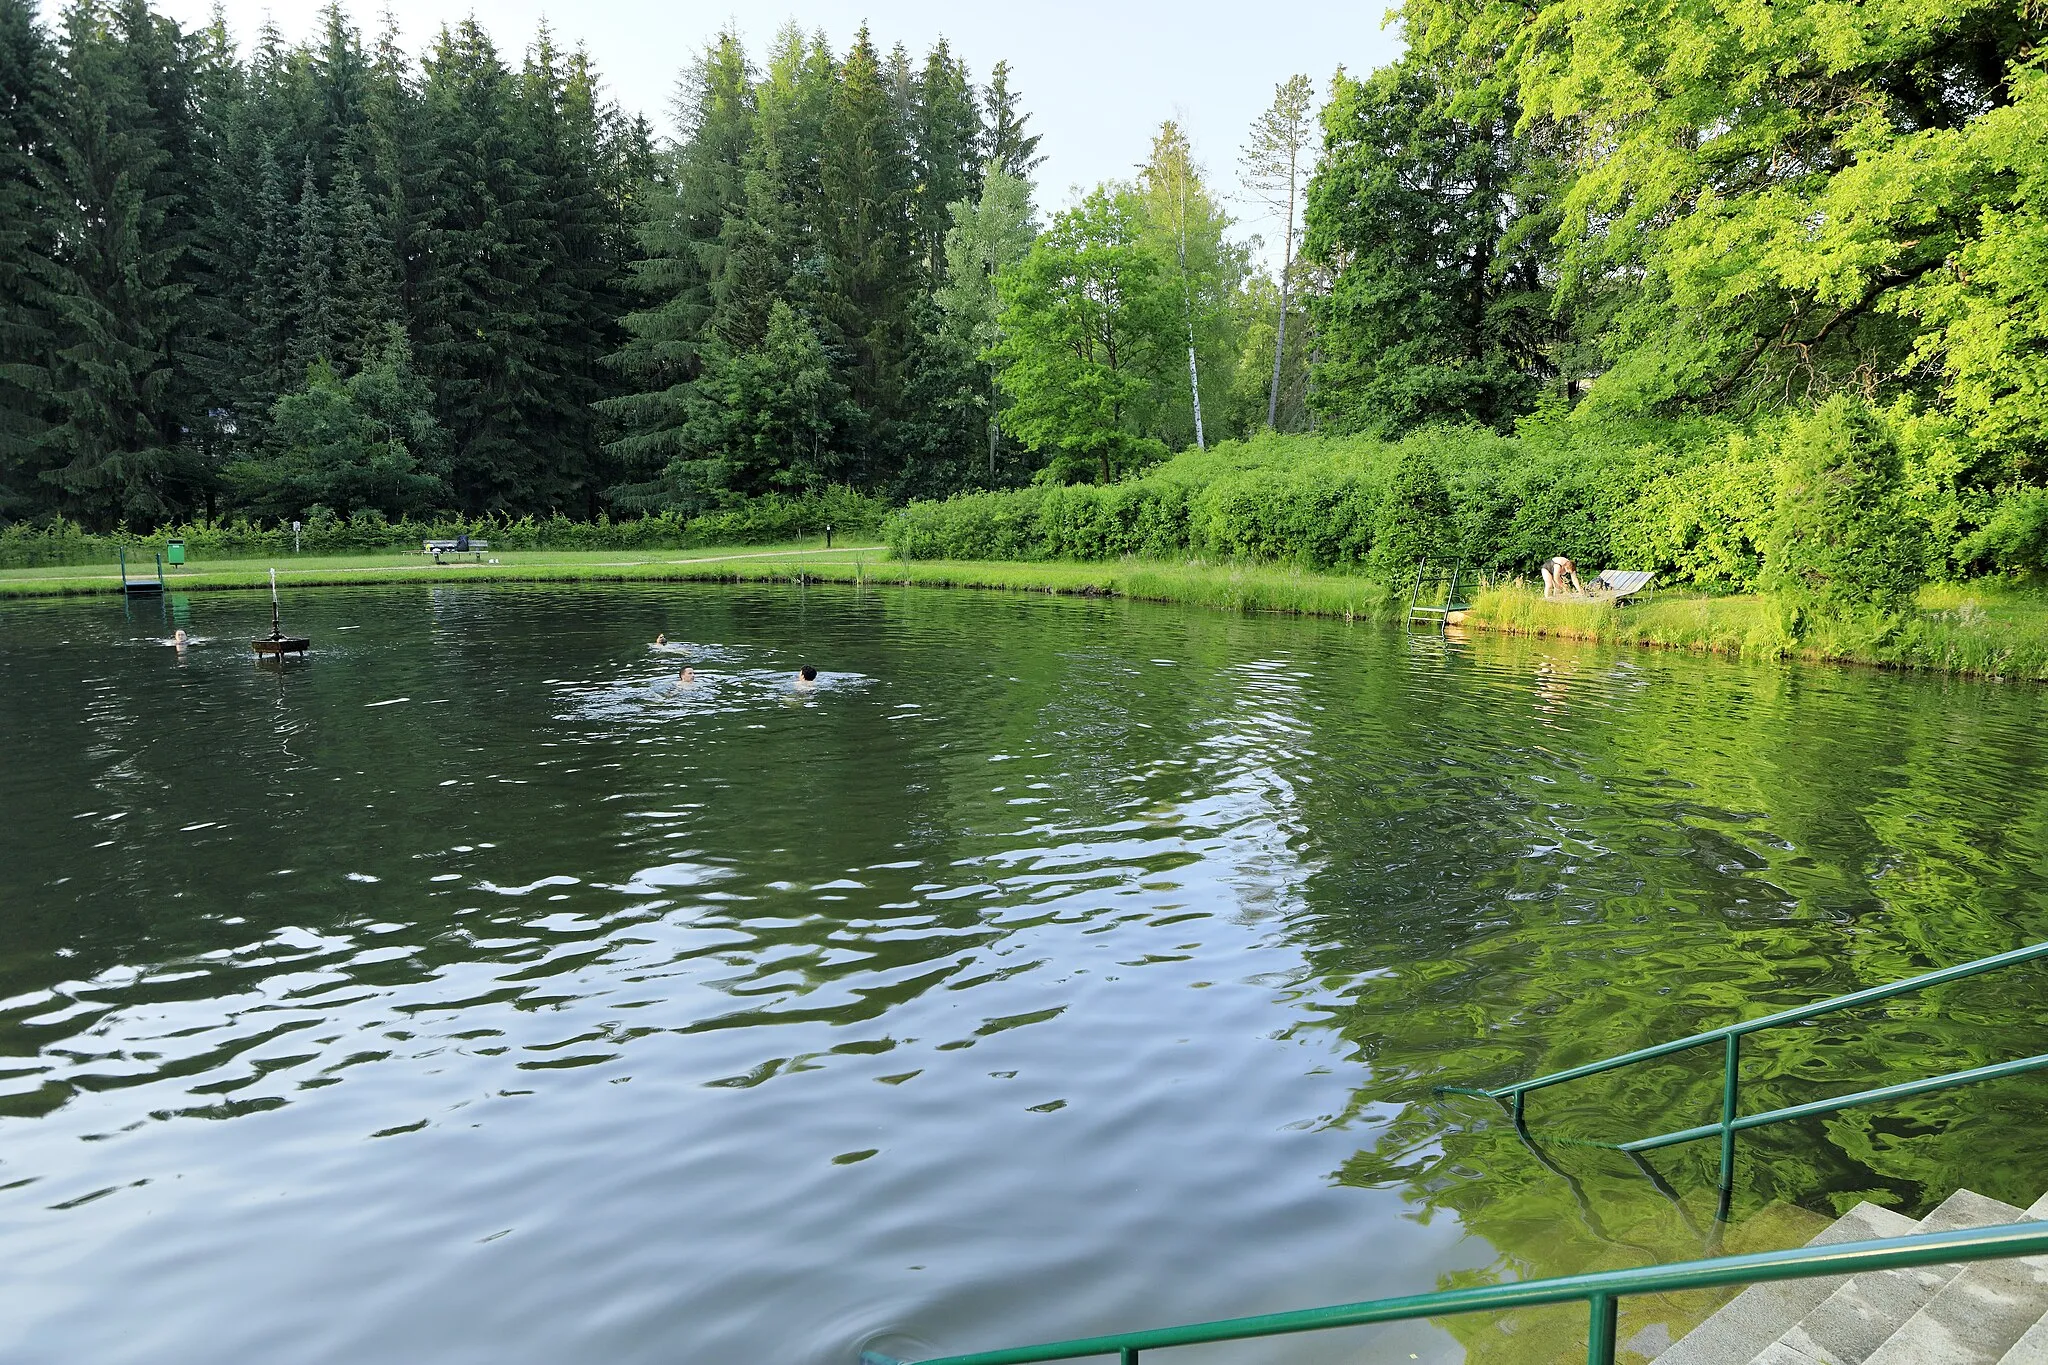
[823, 868]
[1620, 863]
[1496, 858]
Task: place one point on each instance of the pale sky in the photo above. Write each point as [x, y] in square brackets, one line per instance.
[1097, 77]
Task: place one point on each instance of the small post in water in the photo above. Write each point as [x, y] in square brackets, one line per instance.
[1730, 1083]
[1600, 1330]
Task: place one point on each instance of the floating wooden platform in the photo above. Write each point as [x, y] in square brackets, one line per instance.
[277, 644]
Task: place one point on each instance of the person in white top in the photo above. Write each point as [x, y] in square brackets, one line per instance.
[1556, 570]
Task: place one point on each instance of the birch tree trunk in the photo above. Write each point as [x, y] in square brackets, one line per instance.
[1187, 308]
[1286, 270]
[1271, 169]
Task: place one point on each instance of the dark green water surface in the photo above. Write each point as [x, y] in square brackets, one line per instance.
[465, 993]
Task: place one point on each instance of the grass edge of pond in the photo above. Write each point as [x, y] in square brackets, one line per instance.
[1975, 630]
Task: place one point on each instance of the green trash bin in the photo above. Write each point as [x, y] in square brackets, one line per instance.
[174, 553]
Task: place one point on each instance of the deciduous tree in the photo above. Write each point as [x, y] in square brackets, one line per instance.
[1277, 159]
[1086, 318]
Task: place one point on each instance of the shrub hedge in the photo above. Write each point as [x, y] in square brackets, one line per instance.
[1324, 503]
[755, 522]
[1696, 501]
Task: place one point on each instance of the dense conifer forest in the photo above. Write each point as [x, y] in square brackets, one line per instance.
[1632, 297]
[338, 278]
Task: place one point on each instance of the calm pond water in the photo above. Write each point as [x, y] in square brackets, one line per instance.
[469, 993]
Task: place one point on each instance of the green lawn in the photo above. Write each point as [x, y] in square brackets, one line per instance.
[1226, 586]
[516, 565]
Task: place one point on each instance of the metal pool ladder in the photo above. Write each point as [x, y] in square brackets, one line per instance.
[1437, 616]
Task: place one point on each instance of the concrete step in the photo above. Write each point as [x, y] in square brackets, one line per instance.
[2031, 1349]
[1760, 1314]
[1856, 1319]
[1978, 1316]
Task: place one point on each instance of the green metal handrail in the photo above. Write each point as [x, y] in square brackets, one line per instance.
[1601, 1291]
[1730, 1037]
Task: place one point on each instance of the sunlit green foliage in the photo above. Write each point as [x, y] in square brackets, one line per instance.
[2016, 536]
[1414, 524]
[1087, 320]
[1430, 221]
[1840, 542]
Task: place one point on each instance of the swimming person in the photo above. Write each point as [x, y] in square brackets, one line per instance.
[1556, 570]
[659, 639]
[178, 639]
[806, 679]
[687, 678]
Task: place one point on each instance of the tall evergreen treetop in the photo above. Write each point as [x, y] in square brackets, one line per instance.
[1007, 144]
[868, 182]
[945, 141]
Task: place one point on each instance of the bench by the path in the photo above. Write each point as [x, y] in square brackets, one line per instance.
[437, 548]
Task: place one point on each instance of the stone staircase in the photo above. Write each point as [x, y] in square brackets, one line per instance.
[1986, 1313]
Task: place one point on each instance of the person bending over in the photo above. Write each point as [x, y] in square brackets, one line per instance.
[1556, 570]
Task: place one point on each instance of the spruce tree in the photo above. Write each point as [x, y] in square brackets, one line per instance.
[775, 247]
[870, 266]
[399, 164]
[936, 446]
[572, 295]
[214, 351]
[367, 440]
[682, 246]
[116, 290]
[945, 140]
[988, 236]
[313, 322]
[365, 290]
[272, 307]
[339, 73]
[1005, 141]
[478, 341]
[772, 419]
[27, 72]
[769, 252]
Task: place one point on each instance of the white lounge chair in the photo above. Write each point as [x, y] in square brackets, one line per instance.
[1618, 585]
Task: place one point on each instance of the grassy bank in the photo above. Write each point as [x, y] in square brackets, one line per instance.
[1221, 586]
[1980, 630]
[535, 566]
[1977, 630]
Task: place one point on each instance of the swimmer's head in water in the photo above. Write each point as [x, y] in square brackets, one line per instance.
[660, 639]
[688, 675]
[807, 673]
